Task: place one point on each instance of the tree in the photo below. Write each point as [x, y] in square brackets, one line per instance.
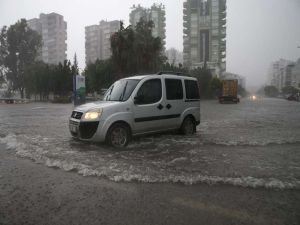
[148, 49]
[75, 68]
[122, 48]
[100, 74]
[62, 79]
[3, 54]
[242, 91]
[204, 77]
[173, 68]
[19, 48]
[271, 91]
[215, 86]
[289, 90]
[135, 50]
[38, 80]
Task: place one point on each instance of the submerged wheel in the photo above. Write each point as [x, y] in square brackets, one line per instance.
[118, 135]
[188, 126]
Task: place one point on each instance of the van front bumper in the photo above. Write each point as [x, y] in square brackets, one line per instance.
[84, 130]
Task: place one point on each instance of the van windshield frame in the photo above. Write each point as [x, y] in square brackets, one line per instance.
[121, 90]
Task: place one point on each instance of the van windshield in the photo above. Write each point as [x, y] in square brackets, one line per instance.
[121, 90]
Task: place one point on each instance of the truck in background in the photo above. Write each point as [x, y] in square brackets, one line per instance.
[229, 92]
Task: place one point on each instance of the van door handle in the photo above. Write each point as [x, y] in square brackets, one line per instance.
[160, 107]
[168, 106]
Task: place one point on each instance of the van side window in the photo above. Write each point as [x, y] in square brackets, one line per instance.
[192, 90]
[174, 89]
[150, 92]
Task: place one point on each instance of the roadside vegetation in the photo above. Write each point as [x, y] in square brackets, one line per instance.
[134, 52]
[273, 92]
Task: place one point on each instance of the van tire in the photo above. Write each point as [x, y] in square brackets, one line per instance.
[188, 126]
[118, 135]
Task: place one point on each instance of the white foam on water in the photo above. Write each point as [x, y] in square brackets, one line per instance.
[180, 159]
[250, 143]
[130, 173]
[35, 108]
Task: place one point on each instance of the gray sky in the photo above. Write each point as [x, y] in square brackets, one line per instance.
[258, 31]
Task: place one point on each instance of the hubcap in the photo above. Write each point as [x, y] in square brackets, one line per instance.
[118, 137]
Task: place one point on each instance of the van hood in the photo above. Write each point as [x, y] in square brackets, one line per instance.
[95, 105]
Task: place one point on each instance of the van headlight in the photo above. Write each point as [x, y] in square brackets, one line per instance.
[92, 114]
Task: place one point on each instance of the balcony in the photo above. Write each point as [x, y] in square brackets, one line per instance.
[223, 14]
[186, 44]
[186, 31]
[223, 48]
[222, 55]
[223, 34]
[223, 22]
[185, 24]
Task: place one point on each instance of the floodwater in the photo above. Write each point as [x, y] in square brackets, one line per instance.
[250, 144]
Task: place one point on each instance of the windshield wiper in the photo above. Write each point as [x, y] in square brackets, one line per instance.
[123, 93]
[109, 94]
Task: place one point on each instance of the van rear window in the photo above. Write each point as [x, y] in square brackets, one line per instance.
[192, 90]
[174, 89]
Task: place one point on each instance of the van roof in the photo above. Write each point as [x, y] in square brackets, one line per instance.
[140, 77]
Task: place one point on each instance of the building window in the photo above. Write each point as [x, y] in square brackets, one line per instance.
[205, 7]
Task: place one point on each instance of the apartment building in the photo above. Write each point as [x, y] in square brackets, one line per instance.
[53, 30]
[97, 40]
[278, 73]
[295, 75]
[155, 13]
[204, 31]
[174, 57]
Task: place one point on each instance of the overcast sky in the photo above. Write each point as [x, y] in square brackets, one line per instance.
[258, 31]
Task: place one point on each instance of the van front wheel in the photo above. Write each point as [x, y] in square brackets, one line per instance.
[118, 135]
[188, 126]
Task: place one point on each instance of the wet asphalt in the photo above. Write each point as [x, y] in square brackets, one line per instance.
[242, 167]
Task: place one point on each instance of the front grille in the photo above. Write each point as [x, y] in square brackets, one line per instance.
[88, 129]
[76, 115]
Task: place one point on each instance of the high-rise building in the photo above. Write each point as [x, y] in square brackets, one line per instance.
[174, 57]
[295, 75]
[97, 40]
[204, 31]
[155, 13]
[280, 73]
[53, 30]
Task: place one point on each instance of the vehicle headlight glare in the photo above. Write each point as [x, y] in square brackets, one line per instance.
[92, 115]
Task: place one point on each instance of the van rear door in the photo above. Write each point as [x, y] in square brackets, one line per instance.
[174, 104]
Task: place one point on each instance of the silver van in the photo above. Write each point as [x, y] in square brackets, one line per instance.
[139, 105]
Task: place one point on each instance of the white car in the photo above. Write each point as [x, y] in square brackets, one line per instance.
[139, 105]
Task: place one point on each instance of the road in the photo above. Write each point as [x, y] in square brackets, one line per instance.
[242, 167]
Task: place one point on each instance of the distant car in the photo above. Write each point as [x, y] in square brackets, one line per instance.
[139, 105]
[292, 97]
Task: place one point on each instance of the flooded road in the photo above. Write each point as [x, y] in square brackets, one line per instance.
[250, 144]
